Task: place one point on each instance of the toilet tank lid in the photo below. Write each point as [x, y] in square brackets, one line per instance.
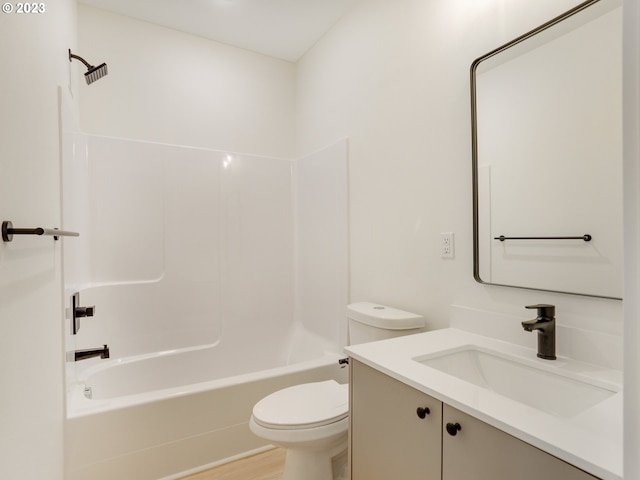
[381, 316]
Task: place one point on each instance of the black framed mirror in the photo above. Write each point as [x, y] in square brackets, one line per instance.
[546, 114]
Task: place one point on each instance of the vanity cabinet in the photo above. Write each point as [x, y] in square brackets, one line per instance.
[388, 439]
[481, 452]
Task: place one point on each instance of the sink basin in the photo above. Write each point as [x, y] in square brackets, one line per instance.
[552, 392]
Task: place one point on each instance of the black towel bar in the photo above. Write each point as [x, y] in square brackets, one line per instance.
[8, 232]
[586, 237]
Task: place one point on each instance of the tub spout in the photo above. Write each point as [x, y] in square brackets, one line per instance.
[91, 352]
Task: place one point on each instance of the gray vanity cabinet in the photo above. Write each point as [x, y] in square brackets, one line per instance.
[389, 439]
[481, 452]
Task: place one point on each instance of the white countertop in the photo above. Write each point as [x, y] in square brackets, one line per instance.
[590, 440]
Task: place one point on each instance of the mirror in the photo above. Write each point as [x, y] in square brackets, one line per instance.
[547, 156]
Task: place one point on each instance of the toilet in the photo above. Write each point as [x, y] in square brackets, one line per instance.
[311, 420]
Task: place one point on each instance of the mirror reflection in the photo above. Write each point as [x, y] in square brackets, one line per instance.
[547, 156]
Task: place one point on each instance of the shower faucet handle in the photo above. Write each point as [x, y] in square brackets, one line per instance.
[85, 311]
[77, 312]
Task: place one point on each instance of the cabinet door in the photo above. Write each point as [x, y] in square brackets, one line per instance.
[388, 438]
[481, 452]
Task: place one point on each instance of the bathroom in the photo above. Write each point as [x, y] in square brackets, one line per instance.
[392, 77]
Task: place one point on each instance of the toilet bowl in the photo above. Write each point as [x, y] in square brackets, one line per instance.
[311, 420]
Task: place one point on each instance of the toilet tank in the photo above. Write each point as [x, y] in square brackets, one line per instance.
[369, 322]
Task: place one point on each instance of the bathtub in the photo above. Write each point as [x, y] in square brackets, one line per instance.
[168, 414]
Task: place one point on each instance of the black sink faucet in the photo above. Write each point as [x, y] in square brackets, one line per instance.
[545, 324]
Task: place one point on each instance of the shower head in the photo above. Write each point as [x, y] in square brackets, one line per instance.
[93, 73]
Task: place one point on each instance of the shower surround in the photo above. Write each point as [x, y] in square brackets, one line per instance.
[185, 251]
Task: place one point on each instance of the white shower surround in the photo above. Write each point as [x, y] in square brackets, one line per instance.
[208, 258]
[182, 247]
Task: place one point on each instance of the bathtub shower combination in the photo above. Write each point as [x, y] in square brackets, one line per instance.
[204, 268]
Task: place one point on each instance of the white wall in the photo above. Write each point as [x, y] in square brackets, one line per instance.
[33, 54]
[170, 87]
[631, 82]
[394, 78]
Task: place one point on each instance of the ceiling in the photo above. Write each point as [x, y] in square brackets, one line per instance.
[284, 29]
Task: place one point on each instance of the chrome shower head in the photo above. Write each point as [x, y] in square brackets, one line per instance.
[93, 73]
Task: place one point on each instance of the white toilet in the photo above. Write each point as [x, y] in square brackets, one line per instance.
[311, 420]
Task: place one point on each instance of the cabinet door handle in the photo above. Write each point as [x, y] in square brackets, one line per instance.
[453, 428]
[423, 412]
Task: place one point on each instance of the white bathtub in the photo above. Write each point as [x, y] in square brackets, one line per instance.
[167, 414]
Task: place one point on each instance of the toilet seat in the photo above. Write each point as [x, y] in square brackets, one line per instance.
[303, 406]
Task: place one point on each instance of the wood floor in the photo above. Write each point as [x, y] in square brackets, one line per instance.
[267, 465]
